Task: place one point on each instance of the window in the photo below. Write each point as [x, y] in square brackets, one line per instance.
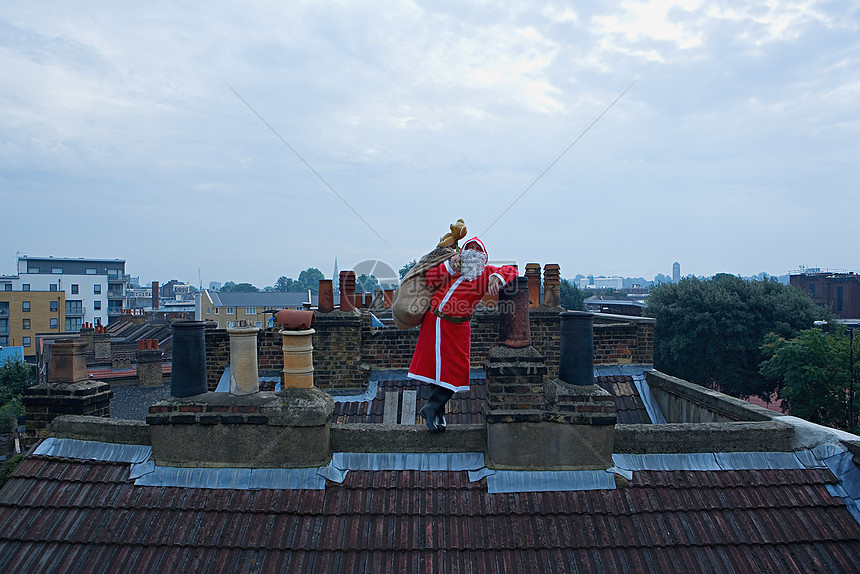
[53, 287]
[250, 310]
[56, 270]
[229, 310]
[97, 305]
[74, 307]
[32, 268]
[91, 270]
[25, 306]
[229, 324]
[839, 298]
[7, 286]
[216, 310]
[54, 322]
[73, 324]
[97, 289]
[812, 289]
[258, 324]
[55, 305]
[207, 310]
[26, 341]
[25, 287]
[74, 288]
[26, 324]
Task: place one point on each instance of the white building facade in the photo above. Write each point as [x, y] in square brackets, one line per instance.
[95, 289]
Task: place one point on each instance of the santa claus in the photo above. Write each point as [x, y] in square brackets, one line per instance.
[441, 355]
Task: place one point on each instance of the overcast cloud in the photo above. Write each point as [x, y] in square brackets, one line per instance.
[736, 150]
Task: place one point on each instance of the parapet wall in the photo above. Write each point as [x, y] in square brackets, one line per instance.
[347, 347]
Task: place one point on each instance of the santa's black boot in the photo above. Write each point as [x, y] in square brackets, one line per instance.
[435, 403]
[441, 421]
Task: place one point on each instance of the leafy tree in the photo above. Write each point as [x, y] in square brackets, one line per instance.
[366, 283]
[15, 377]
[285, 285]
[310, 279]
[8, 467]
[405, 269]
[230, 287]
[812, 374]
[572, 297]
[710, 331]
[9, 414]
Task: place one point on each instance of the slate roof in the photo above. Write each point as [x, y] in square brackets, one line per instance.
[467, 407]
[260, 299]
[61, 514]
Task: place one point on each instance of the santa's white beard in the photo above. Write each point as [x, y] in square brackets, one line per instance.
[472, 264]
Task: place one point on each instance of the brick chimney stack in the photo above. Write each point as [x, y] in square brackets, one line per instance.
[539, 424]
[68, 391]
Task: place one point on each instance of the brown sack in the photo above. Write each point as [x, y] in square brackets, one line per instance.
[412, 298]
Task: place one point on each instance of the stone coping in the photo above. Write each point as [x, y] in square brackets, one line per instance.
[625, 318]
[296, 407]
[769, 436]
[715, 401]
[121, 431]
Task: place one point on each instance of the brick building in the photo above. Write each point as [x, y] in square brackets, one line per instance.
[839, 292]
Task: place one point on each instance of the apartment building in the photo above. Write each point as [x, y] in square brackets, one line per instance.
[94, 289]
[24, 314]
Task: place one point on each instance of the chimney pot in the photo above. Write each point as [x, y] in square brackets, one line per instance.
[514, 330]
[188, 375]
[576, 352]
[347, 290]
[325, 299]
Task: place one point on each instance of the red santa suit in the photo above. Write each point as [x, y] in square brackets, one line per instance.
[442, 353]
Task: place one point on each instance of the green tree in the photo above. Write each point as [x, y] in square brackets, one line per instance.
[285, 285]
[230, 287]
[405, 269]
[366, 283]
[812, 375]
[15, 377]
[572, 297]
[310, 279]
[710, 331]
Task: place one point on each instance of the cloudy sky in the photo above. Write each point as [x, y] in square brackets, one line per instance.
[735, 150]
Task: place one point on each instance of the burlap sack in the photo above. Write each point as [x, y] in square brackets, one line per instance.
[412, 298]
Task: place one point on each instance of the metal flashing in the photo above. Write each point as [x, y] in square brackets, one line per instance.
[667, 461]
[758, 461]
[224, 381]
[508, 481]
[430, 461]
[93, 450]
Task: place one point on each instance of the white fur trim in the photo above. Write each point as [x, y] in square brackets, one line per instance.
[437, 383]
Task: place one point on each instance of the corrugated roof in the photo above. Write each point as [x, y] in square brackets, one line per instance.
[83, 516]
